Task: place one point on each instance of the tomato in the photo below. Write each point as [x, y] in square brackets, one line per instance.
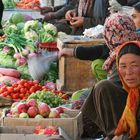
[27, 85]
[20, 86]
[16, 89]
[3, 89]
[32, 89]
[21, 95]
[5, 94]
[10, 89]
[23, 90]
[15, 96]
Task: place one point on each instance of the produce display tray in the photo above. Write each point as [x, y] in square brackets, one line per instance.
[33, 13]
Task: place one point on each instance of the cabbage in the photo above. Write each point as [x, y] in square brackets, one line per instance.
[20, 25]
[16, 18]
[51, 29]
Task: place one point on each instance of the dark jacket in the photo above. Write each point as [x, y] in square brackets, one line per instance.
[99, 11]
[62, 9]
[97, 52]
[1, 12]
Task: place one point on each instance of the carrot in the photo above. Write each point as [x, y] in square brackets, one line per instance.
[10, 72]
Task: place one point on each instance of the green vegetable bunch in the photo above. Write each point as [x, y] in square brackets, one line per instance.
[47, 97]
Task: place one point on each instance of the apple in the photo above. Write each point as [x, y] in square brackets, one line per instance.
[38, 116]
[44, 109]
[32, 111]
[23, 115]
[22, 107]
[32, 102]
[54, 113]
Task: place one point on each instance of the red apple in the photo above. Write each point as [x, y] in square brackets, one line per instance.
[32, 111]
[44, 109]
[22, 107]
[32, 102]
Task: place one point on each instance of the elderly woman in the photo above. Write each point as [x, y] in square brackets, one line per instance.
[115, 110]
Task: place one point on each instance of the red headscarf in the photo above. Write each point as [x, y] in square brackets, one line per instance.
[128, 119]
[118, 28]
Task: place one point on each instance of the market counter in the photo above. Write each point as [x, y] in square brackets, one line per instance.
[34, 14]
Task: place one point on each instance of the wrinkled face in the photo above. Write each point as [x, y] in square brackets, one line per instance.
[136, 18]
[129, 69]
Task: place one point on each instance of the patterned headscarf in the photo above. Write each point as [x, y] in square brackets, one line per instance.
[118, 28]
[127, 122]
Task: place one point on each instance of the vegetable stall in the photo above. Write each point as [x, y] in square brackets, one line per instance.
[28, 101]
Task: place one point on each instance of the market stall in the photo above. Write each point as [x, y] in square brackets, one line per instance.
[34, 84]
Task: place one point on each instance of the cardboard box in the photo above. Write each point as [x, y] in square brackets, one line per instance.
[72, 126]
[75, 74]
[26, 133]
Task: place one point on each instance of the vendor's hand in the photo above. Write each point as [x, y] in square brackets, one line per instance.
[44, 10]
[66, 52]
[70, 14]
[77, 21]
[49, 16]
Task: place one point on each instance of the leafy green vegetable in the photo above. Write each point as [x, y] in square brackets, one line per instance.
[16, 18]
[9, 4]
[23, 69]
[7, 60]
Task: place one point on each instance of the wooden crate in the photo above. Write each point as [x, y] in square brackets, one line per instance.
[75, 74]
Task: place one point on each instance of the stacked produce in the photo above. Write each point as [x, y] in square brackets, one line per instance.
[35, 109]
[22, 4]
[24, 89]
[49, 130]
[20, 43]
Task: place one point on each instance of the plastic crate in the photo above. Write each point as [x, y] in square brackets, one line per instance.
[50, 46]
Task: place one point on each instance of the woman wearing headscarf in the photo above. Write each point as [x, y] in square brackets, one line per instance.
[118, 29]
[136, 15]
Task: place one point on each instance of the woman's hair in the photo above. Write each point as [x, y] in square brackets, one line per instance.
[137, 6]
[129, 48]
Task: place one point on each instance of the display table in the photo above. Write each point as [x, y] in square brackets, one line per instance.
[34, 14]
[75, 74]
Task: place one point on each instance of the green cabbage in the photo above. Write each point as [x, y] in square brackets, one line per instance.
[16, 18]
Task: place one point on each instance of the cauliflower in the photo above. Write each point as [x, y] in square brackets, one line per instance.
[32, 35]
[31, 24]
[50, 28]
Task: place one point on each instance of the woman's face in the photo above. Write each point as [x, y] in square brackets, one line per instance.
[136, 18]
[129, 69]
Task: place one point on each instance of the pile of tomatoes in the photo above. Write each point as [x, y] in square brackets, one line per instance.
[21, 90]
